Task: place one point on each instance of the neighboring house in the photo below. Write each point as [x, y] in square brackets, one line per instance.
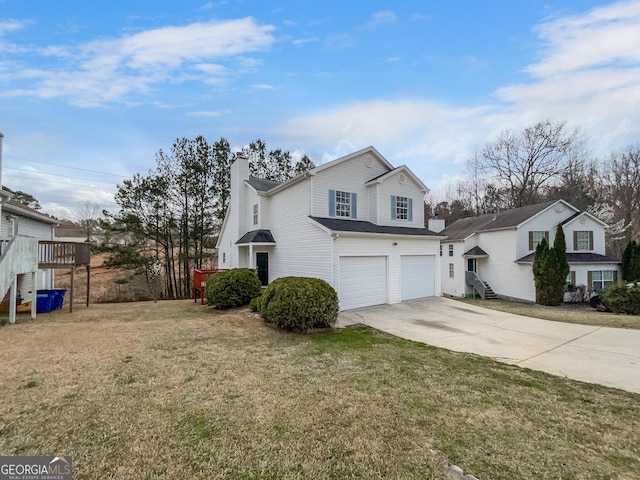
[69, 232]
[494, 252]
[356, 222]
[18, 219]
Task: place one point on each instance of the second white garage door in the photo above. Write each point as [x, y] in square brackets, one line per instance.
[363, 281]
[417, 276]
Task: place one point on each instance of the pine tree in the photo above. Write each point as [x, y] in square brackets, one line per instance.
[561, 267]
[550, 270]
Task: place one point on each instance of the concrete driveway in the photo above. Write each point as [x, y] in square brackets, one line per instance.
[607, 356]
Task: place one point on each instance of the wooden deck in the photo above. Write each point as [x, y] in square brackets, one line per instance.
[52, 254]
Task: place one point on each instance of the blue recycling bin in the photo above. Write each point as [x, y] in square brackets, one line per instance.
[44, 301]
[58, 299]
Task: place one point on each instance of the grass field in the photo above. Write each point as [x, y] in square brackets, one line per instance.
[568, 313]
[175, 390]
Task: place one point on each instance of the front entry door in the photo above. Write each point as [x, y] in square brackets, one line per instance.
[262, 264]
[471, 265]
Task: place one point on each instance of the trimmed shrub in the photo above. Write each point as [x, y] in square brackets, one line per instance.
[299, 303]
[621, 298]
[233, 288]
[255, 303]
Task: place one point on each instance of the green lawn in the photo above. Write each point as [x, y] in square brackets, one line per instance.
[568, 313]
[178, 391]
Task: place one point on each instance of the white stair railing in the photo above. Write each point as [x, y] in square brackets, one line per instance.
[18, 255]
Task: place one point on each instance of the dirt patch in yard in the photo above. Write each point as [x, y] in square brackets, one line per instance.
[175, 390]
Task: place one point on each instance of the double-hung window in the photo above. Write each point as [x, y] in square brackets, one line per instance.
[601, 279]
[342, 204]
[583, 240]
[255, 214]
[401, 208]
[536, 236]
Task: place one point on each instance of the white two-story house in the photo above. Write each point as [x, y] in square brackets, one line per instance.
[356, 222]
[494, 252]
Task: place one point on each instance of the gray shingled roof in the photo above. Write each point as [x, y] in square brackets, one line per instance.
[361, 226]
[262, 185]
[461, 229]
[256, 236]
[13, 206]
[475, 252]
[577, 258]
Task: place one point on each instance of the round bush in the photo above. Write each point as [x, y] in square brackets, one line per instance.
[232, 288]
[299, 303]
[622, 298]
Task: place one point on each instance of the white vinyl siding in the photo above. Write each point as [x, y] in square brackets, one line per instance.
[388, 191]
[499, 269]
[302, 249]
[349, 176]
[363, 282]
[417, 276]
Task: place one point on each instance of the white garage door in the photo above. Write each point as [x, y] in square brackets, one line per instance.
[363, 282]
[417, 276]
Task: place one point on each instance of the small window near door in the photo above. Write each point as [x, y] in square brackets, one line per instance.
[451, 270]
[224, 257]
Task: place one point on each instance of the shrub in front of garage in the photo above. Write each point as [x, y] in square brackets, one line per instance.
[232, 288]
[299, 303]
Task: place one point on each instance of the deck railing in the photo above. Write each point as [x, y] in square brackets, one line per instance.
[52, 254]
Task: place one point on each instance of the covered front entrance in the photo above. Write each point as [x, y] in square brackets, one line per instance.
[262, 267]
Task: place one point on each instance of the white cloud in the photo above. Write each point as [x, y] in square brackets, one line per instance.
[262, 86]
[607, 35]
[104, 71]
[419, 130]
[381, 18]
[208, 113]
[588, 74]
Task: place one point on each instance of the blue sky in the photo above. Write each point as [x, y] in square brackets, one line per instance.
[90, 91]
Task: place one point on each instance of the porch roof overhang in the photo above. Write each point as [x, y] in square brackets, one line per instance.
[257, 237]
[576, 258]
[475, 252]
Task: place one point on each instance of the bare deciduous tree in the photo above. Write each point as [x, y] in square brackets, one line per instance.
[88, 215]
[623, 185]
[526, 162]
